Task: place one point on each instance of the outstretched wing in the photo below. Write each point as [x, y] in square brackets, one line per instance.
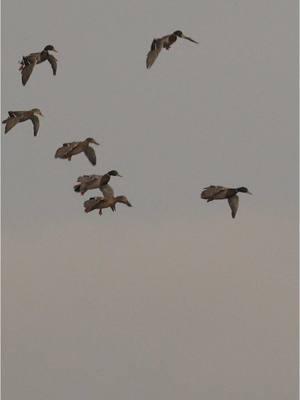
[233, 204]
[53, 62]
[107, 191]
[36, 124]
[210, 192]
[156, 47]
[190, 39]
[27, 71]
[10, 123]
[91, 155]
[88, 178]
[16, 113]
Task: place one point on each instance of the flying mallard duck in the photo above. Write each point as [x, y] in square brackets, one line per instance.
[29, 62]
[68, 150]
[89, 182]
[107, 201]
[211, 193]
[20, 116]
[163, 42]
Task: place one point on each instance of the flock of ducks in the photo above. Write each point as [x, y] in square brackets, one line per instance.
[68, 150]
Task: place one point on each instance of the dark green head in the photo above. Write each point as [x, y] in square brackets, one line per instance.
[178, 33]
[50, 48]
[243, 189]
[114, 173]
[181, 35]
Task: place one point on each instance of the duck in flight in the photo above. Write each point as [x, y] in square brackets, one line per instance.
[89, 182]
[211, 193]
[164, 42]
[29, 62]
[21, 116]
[68, 150]
[108, 200]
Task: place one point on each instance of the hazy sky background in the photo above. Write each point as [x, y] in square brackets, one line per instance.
[170, 299]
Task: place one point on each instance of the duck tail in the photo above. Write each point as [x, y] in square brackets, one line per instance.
[22, 64]
[77, 188]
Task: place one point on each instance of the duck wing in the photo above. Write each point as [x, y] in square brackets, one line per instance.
[33, 57]
[89, 178]
[213, 192]
[107, 191]
[16, 113]
[190, 39]
[10, 123]
[233, 204]
[36, 124]
[71, 146]
[53, 62]
[91, 155]
[87, 182]
[156, 47]
[27, 71]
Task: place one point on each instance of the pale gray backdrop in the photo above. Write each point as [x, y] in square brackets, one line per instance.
[171, 299]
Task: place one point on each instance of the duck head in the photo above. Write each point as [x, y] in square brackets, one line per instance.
[124, 200]
[181, 35]
[243, 189]
[91, 140]
[50, 48]
[114, 173]
[37, 111]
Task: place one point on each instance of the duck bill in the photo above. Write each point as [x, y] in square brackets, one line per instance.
[190, 39]
[98, 144]
[55, 51]
[249, 193]
[129, 204]
[121, 176]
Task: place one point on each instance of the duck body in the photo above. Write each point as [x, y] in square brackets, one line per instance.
[29, 62]
[37, 58]
[108, 200]
[16, 117]
[212, 192]
[68, 150]
[89, 182]
[100, 203]
[164, 42]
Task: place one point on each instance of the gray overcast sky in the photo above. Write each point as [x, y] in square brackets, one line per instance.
[170, 299]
